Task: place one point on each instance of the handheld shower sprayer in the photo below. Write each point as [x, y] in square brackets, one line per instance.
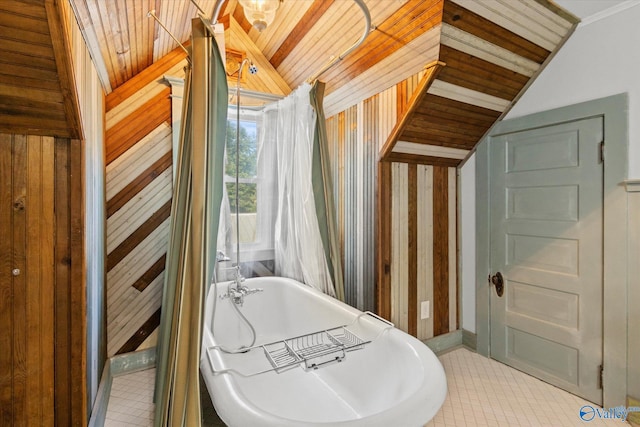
[252, 68]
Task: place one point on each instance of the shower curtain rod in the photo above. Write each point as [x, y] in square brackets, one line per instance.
[367, 29]
[209, 23]
[365, 33]
[152, 14]
[263, 96]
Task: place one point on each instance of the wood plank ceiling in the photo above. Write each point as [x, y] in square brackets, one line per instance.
[37, 94]
[488, 52]
[487, 56]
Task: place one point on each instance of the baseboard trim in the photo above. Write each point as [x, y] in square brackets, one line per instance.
[132, 362]
[469, 339]
[114, 366]
[447, 342]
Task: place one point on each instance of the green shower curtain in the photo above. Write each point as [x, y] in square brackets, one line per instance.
[323, 193]
[195, 215]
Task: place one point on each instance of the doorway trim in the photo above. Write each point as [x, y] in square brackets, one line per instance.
[614, 110]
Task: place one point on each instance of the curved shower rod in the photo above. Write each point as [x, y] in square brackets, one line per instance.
[332, 62]
[365, 33]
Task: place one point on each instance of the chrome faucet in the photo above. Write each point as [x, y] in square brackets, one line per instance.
[237, 291]
[220, 256]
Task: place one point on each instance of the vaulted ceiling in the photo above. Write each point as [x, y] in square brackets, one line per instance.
[486, 53]
[407, 35]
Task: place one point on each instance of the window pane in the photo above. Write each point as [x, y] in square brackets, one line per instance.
[247, 197]
[248, 210]
[248, 149]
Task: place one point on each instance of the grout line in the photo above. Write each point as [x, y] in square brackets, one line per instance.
[116, 366]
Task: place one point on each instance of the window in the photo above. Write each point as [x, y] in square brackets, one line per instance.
[256, 213]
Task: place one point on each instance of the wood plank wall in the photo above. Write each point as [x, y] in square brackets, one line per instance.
[418, 203]
[138, 145]
[423, 248]
[42, 308]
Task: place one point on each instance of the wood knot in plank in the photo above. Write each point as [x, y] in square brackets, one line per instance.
[19, 204]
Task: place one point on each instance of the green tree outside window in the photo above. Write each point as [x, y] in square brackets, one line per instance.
[247, 166]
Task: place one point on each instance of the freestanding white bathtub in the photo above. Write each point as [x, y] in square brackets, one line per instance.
[388, 378]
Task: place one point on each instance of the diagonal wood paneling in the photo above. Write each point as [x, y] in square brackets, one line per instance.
[142, 156]
[150, 275]
[409, 22]
[468, 71]
[123, 136]
[134, 187]
[408, 104]
[138, 188]
[166, 64]
[492, 49]
[488, 58]
[140, 233]
[127, 308]
[138, 210]
[150, 325]
[315, 11]
[472, 23]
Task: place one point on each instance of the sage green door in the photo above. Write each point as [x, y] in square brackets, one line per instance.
[546, 241]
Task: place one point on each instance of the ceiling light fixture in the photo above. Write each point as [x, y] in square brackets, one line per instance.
[260, 13]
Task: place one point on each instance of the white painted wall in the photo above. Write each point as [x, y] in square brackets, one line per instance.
[600, 59]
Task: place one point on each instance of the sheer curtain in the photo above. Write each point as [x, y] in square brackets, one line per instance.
[298, 244]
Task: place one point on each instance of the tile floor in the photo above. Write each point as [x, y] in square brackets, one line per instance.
[131, 400]
[482, 392]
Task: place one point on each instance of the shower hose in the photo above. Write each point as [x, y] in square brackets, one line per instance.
[240, 349]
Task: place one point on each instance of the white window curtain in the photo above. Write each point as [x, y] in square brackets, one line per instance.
[298, 248]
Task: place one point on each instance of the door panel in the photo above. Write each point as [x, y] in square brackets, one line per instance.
[26, 280]
[546, 240]
[6, 280]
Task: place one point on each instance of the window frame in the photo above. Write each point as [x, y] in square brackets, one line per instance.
[262, 248]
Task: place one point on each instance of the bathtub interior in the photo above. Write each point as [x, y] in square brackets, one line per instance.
[365, 383]
[362, 385]
[278, 312]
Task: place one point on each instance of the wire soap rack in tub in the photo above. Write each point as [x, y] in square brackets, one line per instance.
[309, 351]
[314, 350]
